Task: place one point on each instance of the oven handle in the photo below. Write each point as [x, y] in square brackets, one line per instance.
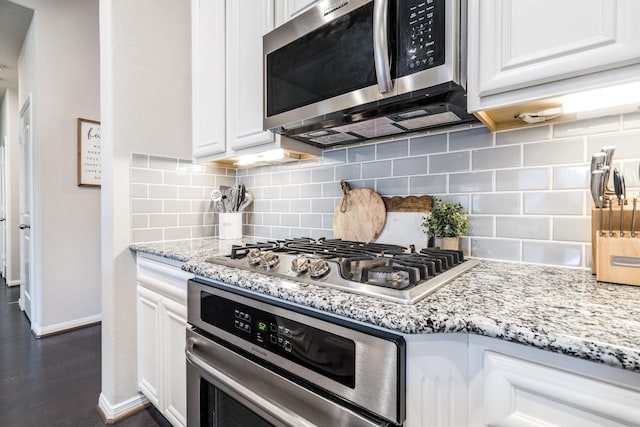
[380, 46]
[274, 410]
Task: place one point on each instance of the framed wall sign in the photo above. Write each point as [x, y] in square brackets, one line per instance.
[89, 153]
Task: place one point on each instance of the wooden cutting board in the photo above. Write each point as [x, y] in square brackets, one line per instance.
[360, 214]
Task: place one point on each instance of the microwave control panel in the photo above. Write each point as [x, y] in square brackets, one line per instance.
[421, 35]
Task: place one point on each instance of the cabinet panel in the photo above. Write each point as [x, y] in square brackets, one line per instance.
[437, 381]
[288, 9]
[522, 393]
[149, 344]
[174, 326]
[208, 78]
[523, 45]
[247, 22]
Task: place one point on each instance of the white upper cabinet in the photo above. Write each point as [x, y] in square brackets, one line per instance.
[247, 22]
[288, 9]
[208, 78]
[526, 50]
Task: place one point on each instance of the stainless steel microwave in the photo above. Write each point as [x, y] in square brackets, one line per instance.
[350, 70]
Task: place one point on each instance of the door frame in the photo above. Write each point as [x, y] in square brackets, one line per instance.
[27, 107]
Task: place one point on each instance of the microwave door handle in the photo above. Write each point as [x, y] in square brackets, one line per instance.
[380, 46]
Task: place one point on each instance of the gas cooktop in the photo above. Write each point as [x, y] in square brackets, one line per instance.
[389, 272]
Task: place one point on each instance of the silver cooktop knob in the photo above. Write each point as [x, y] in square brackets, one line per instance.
[269, 260]
[300, 264]
[254, 256]
[318, 268]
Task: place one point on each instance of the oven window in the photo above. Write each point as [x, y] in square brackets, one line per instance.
[217, 409]
[332, 60]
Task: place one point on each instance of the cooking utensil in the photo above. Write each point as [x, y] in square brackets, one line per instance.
[597, 191]
[609, 150]
[360, 215]
[248, 198]
[597, 182]
[610, 216]
[216, 196]
[620, 189]
[598, 160]
[633, 215]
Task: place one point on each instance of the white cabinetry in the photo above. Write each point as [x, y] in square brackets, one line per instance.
[162, 321]
[514, 385]
[227, 80]
[525, 50]
[436, 380]
[288, 9]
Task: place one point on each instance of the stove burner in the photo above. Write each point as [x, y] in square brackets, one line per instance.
[390, 272]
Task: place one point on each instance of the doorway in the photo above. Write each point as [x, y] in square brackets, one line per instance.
[26, 202]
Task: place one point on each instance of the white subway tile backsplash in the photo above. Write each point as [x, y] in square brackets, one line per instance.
[322, 206]
[586, 127]
[302, 205]
[146, 176]
[572, 229]
[519, 136]
[392, 150]
[430, 184]
[162, 220]
[174, 178]
[569, 255]
[565, 178]
[376, 169]
[147, 235]
[139, 221]
[291, 191]
[139, 191]
[631, 121]
[496, 158]
[163, 192]
[361, 154]
[468, 139]
[312, 220]
[271, 219]
[554, 203]
[290, 220]
[177, 233]
[521, 227]
[220, 180]
[554, 152]
[311, 190]
[146, 206]
[393, 187]
[335, 156]
[428, 144]
[177, 206]
[348, 172]
[473, 182]
[481, 226]
[330, 189]
[522, 179]
[300, 177]
[451, 162]
[279, 206]
[280, 178]
[190, 219]
[322, 175]
[500, 249]
[627, 144]
[203, 231]
[501, 204]
[271, 192]
[415, 165]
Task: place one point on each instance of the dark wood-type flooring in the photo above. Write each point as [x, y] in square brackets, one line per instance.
[53, 381]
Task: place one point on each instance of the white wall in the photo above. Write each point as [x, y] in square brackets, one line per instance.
[10, 127]
[59, 67]
[146, 108]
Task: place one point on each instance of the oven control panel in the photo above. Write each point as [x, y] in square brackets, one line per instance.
[328, 354]
[421, 35]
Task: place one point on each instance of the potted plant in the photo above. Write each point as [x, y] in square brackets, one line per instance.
[446, 222]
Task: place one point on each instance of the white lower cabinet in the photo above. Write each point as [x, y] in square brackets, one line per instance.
[162, 321]
[459, 380]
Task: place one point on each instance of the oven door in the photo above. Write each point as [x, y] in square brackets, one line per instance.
[226, 389]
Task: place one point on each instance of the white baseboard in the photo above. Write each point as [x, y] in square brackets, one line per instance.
[112, 413]
[60, 327]
[13, 282]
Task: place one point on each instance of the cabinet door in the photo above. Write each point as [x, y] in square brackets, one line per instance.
[521, 50]
[174, 365]
[149, 339]
[247, 22]
[208, 78]
[288, 9]
[436, 380]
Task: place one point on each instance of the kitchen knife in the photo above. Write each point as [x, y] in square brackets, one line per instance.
[597, 182]
[598, 160]
[620, 188]
[597, 191]
[633, 215]
[609, 150]
[610, 216]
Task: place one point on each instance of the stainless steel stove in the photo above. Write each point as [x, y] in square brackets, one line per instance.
[390, 272]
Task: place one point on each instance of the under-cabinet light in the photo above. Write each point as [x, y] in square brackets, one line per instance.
[603, 98]
[271, 156]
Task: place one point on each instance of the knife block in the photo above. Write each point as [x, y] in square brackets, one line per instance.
[606, 268]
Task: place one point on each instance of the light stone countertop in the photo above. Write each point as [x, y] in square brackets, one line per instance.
[553, 308]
